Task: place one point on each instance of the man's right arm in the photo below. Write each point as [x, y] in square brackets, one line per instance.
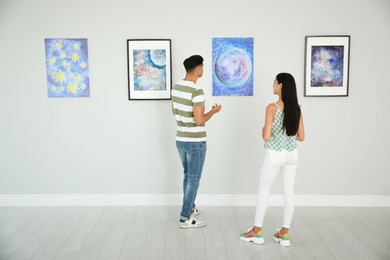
[200, 117]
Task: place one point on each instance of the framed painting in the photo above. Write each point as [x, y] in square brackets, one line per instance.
[149, 69]
[67, 67]
[232, 66]
[327, 66]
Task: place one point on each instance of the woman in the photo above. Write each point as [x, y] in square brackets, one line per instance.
[283, 125]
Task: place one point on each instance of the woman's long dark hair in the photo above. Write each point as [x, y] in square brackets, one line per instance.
[292, 111]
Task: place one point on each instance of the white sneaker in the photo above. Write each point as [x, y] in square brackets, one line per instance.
[251, 236]
[283, 240]
[196, 212]
[192, 222]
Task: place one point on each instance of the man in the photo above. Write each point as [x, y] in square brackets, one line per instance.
[188, 106]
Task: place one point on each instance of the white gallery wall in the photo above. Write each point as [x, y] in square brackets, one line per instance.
[108, 145]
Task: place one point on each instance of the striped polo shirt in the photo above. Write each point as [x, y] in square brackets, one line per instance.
[185, 96]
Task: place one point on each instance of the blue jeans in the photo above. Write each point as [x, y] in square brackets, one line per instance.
[192, 155]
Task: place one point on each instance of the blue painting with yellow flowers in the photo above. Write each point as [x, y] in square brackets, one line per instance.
[67, 67]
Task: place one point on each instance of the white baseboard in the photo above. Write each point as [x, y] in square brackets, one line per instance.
[176, 199]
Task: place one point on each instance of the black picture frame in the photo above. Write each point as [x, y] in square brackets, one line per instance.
[149, 63]
[327, 60]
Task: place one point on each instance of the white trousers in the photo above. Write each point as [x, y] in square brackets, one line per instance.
[287, 163]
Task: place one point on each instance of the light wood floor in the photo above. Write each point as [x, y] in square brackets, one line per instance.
[153, 233]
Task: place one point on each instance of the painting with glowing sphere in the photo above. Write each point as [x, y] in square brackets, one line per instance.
[232, 66]
[149, 69]
[67, 67]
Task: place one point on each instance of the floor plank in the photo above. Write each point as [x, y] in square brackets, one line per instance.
[308, 234]
[341, 230]
[7, 214]
[42, 233]
[356, 225]
[230, 230]
[174, 240]
[97, 238]
[26, 230]
[328, 237]
[372, 221]
[136, 238]
[214, 243]
[15, 220]
[156, 233]
[80, 234]
[112, 249]
[194, 247]
[56, 241]
[382, 216]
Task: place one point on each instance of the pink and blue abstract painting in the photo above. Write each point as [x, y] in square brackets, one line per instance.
[327, 66]
[150, 70]
[232, 66]
[67, 67]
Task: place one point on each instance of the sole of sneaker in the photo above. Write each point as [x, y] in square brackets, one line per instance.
[281, 241]
[257, 241]
[285, 242]
[192, 226]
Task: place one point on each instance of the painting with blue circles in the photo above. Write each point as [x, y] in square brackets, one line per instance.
[232, 66]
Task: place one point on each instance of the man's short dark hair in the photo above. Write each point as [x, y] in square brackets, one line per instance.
[192, 62]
